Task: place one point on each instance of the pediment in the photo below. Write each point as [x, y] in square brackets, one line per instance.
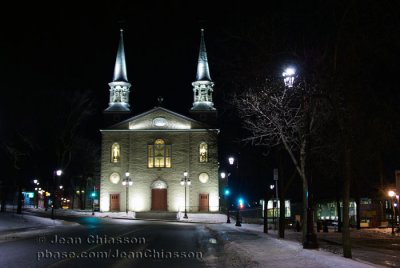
[159, 118]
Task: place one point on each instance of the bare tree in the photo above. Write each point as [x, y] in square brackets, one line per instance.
[18, 150]
[278, 115]
[76, 108]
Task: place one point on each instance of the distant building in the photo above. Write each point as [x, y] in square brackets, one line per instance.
[156, 148]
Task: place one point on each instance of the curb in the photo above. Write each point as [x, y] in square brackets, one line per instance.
[164, 220]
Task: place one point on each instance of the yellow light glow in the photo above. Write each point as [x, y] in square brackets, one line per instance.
[391, 193]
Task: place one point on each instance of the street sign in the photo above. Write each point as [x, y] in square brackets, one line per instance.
[275, 174]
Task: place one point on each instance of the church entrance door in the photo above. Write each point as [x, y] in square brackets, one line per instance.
[114, 202]
[203, 202]
[158, 199]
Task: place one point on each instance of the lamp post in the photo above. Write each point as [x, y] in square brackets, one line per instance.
[227, 194]
[37, 189]
[61, 194]
[232, 161]
[397, 207]
[185, 181]
[58, 174]
[273, 205]
[127, 181]
[392, 195]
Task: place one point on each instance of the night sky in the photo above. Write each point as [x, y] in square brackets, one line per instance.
[50, 51]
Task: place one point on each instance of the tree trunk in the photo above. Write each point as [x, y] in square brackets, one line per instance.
[338, 208]
[282, 221]
[346, 198]
[281, 193]
[19, 201]
[358, 202]
[381, 193]
[73, 200]
[265, 212]
[305, 193]
[4, 198]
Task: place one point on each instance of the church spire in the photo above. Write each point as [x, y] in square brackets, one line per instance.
[119, 87]
[203, 86]
[120, 63]
[203, 72]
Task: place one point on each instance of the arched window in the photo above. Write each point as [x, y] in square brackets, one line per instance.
[203, 152]
[159, 154]
[115, 153]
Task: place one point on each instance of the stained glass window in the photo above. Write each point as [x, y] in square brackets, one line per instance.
[203, 150]
[159, 154]
[115, 153]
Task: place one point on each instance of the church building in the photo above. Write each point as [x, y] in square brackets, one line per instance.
[147, 158]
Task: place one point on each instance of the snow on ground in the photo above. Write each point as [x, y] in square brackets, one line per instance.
[192, 217]
[202, 217]
[261, 250]
[10, 221]
[266, 251]
[15, 226]
[77, 212]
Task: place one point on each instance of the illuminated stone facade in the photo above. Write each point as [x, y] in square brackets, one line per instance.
[185, 137]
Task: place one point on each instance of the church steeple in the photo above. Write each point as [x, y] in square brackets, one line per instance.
[203, 86]
[120, 63]
[119, 87]
[203, 72]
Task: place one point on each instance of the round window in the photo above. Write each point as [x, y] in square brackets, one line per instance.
[203, 177]
[160, 122]
[114, 178]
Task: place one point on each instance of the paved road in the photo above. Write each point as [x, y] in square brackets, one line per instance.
[114, 243]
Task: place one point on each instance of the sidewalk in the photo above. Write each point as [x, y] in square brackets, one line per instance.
[253, 248]
[373, 247]
[14, 226]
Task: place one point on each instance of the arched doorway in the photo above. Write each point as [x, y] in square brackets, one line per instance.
[159, 196]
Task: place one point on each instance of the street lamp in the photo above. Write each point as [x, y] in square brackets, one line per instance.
[273, 206]
[392, 195]
[226, 194]
[288, 76]
[232, 161]
[37, 189]
[127, 181]
[58, 173]
[397, 206]
[185, 181]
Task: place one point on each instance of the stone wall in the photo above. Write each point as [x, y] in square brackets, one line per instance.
[185, 156]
